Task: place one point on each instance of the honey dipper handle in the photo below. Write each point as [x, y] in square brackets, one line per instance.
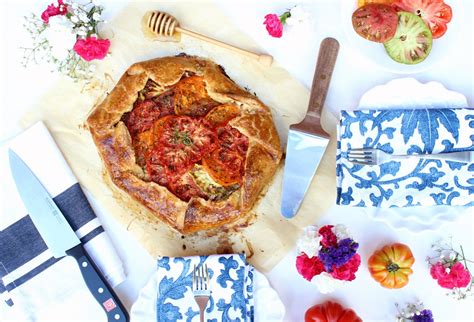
[265, 60]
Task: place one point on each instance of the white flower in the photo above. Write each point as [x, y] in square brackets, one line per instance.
[83, 17]
[96, 16]
[60, 37]
[326, 283]
[309, 242]
[74, 19]
[75, 5]
[452, 255]
[341, 232]
[299, 16]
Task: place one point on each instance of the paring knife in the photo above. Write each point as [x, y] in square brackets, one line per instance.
[307, 140]
[60, 238]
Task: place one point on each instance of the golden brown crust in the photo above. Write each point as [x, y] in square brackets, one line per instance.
[115, 145]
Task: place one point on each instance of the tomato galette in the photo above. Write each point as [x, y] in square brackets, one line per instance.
[180, 137]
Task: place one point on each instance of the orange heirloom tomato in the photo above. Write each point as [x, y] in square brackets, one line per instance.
[361, 3]
[330, 312]
[391, 265]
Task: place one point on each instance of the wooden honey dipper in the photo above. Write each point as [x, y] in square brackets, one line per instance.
[163, 24]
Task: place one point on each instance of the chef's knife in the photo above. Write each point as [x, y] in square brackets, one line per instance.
[307, 140]
[60, 238]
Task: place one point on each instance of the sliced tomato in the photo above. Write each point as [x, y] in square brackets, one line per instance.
[435, 13]
[226, 164]
[375, 22]
[191, 97]
[142, 116]
[165, 103]
[194, 136]
[361, 3]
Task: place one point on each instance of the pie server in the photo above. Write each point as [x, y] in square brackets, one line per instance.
[307, 140]
[60, 238]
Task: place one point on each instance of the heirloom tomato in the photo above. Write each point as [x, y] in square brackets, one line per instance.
[330, 312]
[375, 22]
[435, 13]
[391, 265]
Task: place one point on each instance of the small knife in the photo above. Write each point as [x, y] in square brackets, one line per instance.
[60, 238]
[307, 140]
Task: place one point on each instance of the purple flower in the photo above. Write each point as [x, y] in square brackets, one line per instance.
[338, 255]
[424, 316]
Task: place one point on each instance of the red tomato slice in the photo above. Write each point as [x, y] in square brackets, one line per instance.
[226, 164]
[142, 116]
[193, 136]
[435, 13]
[375, 22]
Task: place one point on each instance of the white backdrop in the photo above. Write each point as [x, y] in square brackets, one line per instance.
[297, 52]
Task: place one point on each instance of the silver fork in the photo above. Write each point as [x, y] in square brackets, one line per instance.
[201, 288]
[370, 156]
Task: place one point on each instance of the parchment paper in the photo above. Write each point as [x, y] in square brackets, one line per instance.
[65, 108]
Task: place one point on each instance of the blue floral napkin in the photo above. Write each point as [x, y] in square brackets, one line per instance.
[423, 182]
[231, 289]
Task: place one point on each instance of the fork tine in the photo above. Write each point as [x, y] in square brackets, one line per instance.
[194, 277]
[356, 161]
[207, 277]
[362, 149]
[363, 156]
[360, 152]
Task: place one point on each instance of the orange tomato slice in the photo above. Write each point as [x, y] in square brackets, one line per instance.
[361, 3]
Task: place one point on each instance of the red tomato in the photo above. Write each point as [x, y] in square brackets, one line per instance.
[435, 13]
[181, 141]
[330, 312]
[142, 116]
[375, 22]
[226, 164]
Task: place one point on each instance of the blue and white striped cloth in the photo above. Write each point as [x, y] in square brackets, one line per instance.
[24, 257]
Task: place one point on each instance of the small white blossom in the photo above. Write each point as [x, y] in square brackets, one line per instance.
[326, 283]
[83, 17]
[60, 37]
[74, 19]
[299, 16]
[341, 232]
[96, 16]
[309, 243]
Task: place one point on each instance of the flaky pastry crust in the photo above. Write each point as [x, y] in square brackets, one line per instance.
[114, 144]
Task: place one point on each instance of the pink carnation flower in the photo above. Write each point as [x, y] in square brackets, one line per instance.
[329, 238]
[92, 48]
[273, 25]
[309, 267]
[347, 271]
[458, 276]
[52, 11]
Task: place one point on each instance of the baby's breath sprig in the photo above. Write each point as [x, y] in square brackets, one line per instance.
[414, 312]
[66, 37]
[445, 257]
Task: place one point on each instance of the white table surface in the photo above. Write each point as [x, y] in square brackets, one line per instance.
[353, 76]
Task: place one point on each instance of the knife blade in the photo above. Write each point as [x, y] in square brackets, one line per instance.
[307, 140]
[59, 236]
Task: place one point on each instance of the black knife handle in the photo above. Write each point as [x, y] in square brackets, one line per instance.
[98, 286]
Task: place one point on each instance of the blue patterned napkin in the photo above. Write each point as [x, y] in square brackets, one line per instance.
[231, 289]
[423, 182]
